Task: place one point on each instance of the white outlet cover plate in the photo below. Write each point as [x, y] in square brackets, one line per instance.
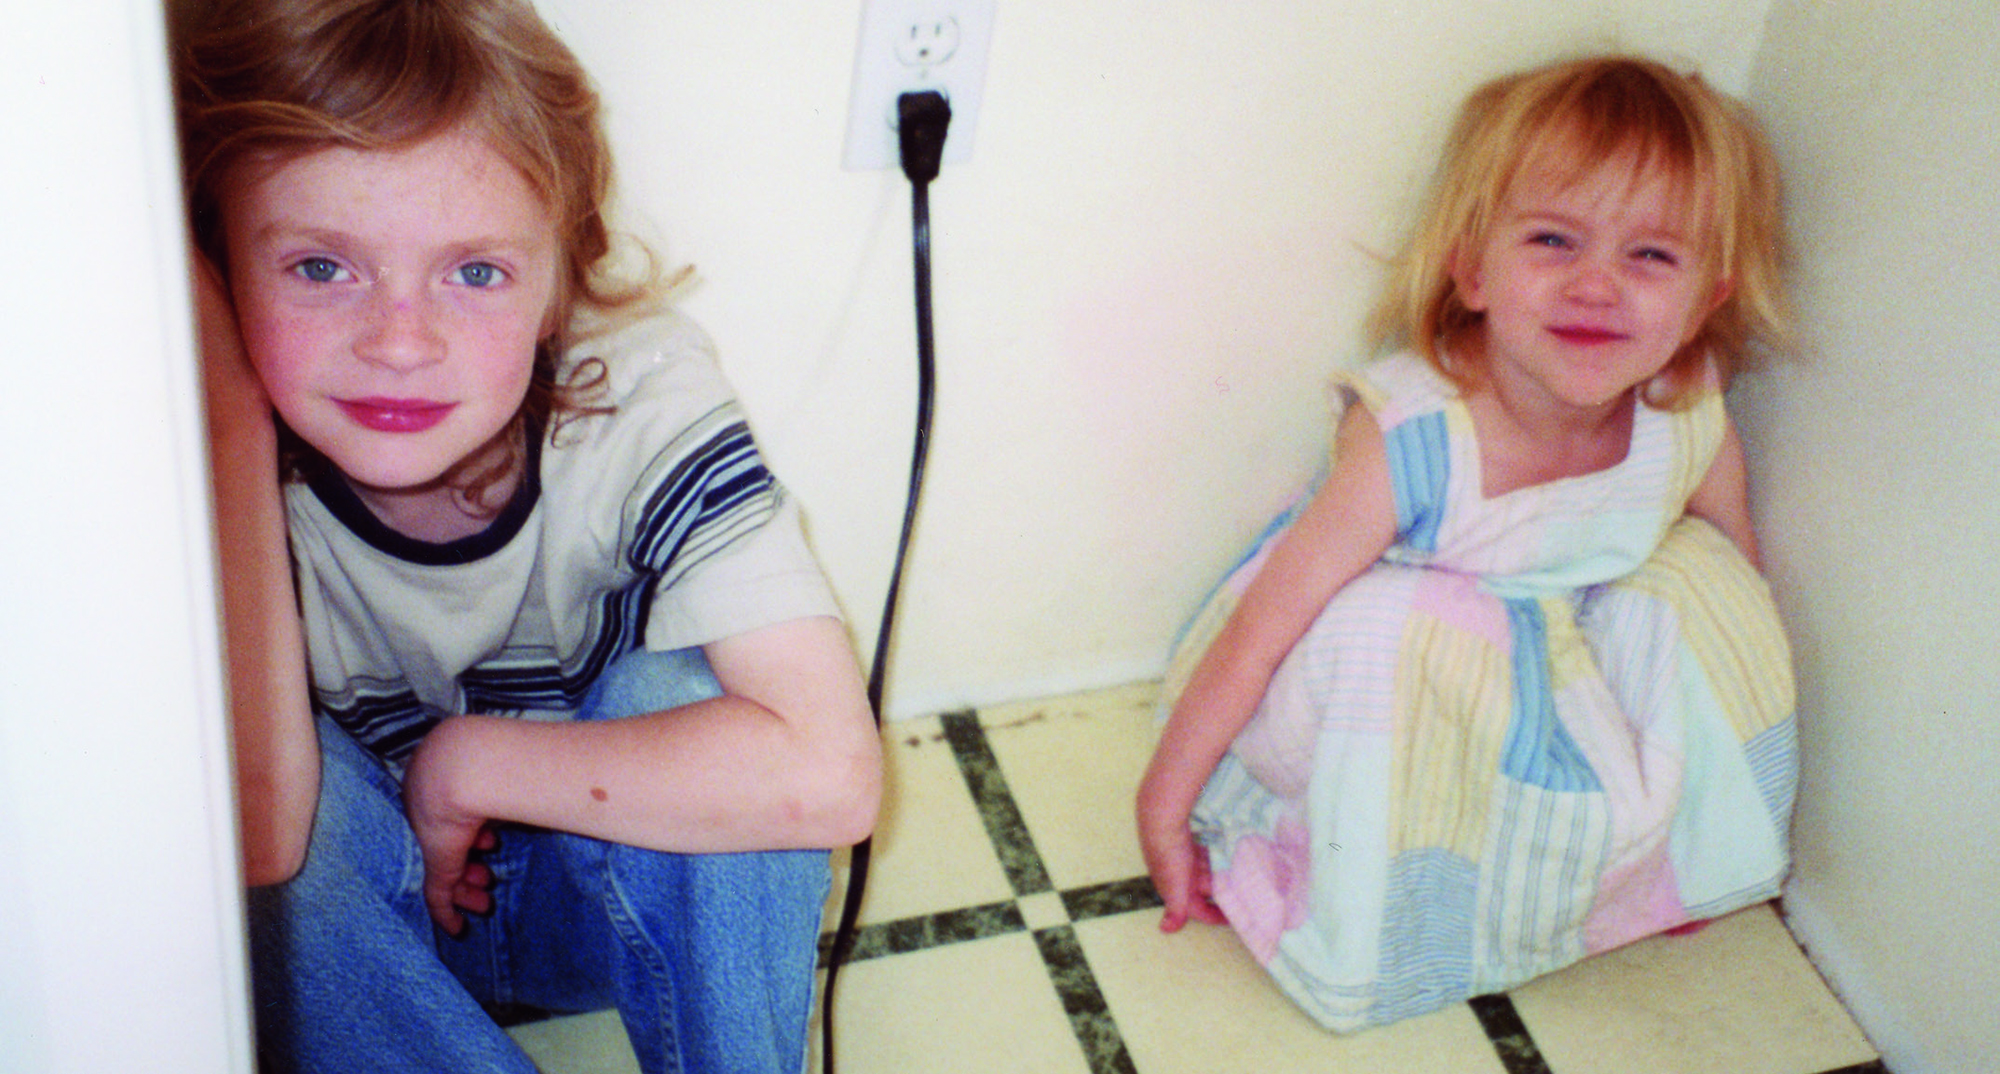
[895, 56]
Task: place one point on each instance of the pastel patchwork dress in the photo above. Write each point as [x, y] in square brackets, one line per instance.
[1546, 724]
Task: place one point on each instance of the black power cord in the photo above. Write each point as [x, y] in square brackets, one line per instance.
[921, 122]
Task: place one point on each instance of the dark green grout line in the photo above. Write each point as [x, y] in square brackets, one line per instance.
[997, 809]
[1508, 1034]
[1069, 971]
[1115, 897]
[1089, 1016]
[909, 934]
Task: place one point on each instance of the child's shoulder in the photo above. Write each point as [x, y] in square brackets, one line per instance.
[663, 363]
[657, 381]
[661, 343]
[1394, 387]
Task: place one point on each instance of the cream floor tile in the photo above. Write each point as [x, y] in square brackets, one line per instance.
[1738, 996]
[1197, 1003]
[580, 1044]
[1073, 764]
[979, 1007]
[931, 851]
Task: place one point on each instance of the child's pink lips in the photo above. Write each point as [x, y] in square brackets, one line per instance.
[1576, 333]
[395, 415]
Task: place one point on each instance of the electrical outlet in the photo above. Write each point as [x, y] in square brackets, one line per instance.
[909, 46]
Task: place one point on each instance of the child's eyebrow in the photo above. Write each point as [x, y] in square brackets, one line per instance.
[286, 228]
[499, 244]
[334, 237]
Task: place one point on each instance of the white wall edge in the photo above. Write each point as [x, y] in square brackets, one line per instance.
[1846, 973]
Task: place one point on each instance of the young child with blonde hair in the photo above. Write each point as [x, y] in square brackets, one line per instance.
[539, 698]
[1507, 690]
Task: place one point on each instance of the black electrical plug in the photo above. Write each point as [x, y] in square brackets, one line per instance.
[921, 122]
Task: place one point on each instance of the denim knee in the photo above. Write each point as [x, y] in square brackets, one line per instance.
[720, 951]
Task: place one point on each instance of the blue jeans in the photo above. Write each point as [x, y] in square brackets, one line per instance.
[708, 957]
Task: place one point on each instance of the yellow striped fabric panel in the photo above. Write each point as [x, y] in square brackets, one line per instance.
[1728, 622]
[1697, 436]
[1454, 697]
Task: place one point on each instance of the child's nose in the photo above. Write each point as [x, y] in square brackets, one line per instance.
[402, 333]
[1592, 280]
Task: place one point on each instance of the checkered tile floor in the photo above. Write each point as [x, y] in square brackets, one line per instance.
[1009, 927]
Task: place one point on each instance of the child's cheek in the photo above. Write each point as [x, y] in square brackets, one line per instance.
[280, 349]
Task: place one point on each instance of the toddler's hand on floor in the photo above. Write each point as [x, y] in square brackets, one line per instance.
[1180, 874]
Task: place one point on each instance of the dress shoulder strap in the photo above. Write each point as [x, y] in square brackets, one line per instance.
[1395, 388]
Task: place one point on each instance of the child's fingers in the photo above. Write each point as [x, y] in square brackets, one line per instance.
[1202, 905]
[472, 896]
[438, 899]
[1207, 913]
[449, 899]
[1175, 888]
[453, 881]
[1186, 889]
[1176, 866]
[449, 836]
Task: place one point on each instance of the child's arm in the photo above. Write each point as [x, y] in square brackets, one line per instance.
[1723, 497]
[276, 750]
[787, 757]
[1346, 527]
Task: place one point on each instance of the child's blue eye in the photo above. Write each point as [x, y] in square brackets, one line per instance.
[1549, 239]
[318, 270]
[479, 274]
[1654, 253]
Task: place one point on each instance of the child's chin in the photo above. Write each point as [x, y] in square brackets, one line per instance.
[391, 480]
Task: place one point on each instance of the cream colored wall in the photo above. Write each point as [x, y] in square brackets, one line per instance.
[1156, 255]
[1877, 465]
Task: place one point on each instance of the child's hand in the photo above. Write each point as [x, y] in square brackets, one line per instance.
[454, 882]
[1180, 873]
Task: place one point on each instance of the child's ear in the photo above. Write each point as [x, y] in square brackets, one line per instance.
[1464, 272]
[552, 321]
[1724, 289]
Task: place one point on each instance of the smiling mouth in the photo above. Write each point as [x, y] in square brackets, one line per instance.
[395, 415]
[1584, 334]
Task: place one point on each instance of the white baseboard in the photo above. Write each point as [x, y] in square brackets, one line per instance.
[1835, 959]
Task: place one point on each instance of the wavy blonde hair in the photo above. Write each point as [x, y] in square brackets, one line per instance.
[1565, 121]
[263, 82]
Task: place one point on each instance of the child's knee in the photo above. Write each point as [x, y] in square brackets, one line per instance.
[646, 681]
[771, 886]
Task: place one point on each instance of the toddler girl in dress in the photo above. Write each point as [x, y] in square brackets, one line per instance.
[1507, 690]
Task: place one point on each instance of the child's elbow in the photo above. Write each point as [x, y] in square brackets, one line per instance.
[273, 862]
[847, 794]
[277, 825]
